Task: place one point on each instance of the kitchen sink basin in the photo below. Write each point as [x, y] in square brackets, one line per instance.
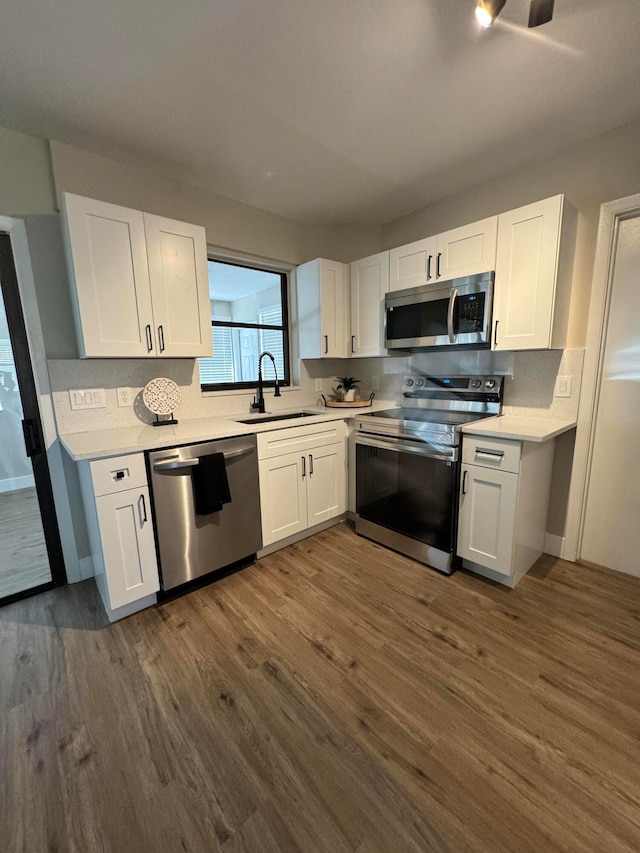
[269, 418]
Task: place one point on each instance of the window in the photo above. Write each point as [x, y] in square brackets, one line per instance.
[248, 316]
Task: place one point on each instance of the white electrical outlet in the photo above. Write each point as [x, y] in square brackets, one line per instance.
[87, 398]
[318, 384]
[375, 383]
[124, 396]
[563, 386]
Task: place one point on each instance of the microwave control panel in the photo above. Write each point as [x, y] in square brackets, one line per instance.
[471, 312]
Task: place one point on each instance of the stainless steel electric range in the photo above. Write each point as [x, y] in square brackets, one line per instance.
[408, 464]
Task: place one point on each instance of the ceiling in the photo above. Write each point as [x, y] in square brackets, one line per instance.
[325, 112]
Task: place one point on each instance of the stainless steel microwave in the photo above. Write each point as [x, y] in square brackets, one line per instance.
[455, 313]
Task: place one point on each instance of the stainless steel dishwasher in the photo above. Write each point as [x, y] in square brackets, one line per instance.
[191, 545]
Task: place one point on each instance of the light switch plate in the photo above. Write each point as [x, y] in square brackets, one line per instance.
[87, 398]
[563, 386]
[318, 384]
[375, 383]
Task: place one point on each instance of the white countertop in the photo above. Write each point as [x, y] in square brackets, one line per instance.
[98, 444]
[520, 428]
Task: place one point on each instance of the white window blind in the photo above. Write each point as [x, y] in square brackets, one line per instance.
[271, 339]
[219, 368]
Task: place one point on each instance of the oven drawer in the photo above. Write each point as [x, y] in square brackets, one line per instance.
[496, 453]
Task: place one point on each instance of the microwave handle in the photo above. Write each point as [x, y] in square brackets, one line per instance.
[452, 305]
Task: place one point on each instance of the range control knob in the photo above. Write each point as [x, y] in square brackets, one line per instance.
[476, 383]
[419, 383]
[408, 382]
[490, 383]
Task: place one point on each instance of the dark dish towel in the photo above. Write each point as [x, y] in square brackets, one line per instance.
[210, 484]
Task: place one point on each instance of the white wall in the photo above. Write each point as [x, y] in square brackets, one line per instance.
[26, 180]
[229, 224]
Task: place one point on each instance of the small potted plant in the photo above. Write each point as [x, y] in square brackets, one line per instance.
[347, 387]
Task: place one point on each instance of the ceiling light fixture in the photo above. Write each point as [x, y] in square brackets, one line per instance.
[488, 10]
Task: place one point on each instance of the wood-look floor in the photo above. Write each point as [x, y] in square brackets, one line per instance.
[24, 562]
[333, 697]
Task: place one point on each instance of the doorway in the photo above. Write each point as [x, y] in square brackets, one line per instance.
[604, 498]
[31, 558]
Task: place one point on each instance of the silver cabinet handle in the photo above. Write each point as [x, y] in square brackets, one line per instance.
[438, 256]
[429, 267]
[142, 509]
[147, 331]
[161, 338]
[492, 454]
[310, 465]
[326, 344]
[450, 312]
[304, 467]
[495, 334]
[464, 483]
[353, 339]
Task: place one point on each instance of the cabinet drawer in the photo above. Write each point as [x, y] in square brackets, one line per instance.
[496, 453]
[118, 473]
[288, 440]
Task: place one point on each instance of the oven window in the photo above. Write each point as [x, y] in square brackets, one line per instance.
[420, 320]
[407, 493]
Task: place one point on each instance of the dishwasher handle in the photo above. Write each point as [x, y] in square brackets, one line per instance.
[173, 462]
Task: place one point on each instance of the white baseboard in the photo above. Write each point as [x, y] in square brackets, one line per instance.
[86, 568]
[554, 545]
[13, 484]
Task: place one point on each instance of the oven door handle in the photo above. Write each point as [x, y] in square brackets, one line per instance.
[450, 312]
[446, 453]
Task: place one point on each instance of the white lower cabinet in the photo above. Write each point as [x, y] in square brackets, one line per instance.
[283, 497]
[504, 501]
[487, 517]
[118, 512]
[303, 487]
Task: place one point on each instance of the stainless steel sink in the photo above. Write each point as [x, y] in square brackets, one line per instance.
[269, 418]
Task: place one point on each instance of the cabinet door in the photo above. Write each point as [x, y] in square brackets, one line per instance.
[413, 264]
[283, 496]
[486, 524]
[177, 254]
[323, 309]
[128, 546]
[326, 483]
[107, 257]
[468, 250]
[526, 272]
[369, 281]
[334, 309]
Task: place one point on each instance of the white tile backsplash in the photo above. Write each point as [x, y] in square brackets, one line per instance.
[529, 384]
[135, 373]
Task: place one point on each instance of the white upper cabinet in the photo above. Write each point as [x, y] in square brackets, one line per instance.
[177, 255]
[413, 264]
[463, 251]
[323, 308]
[369, 282]
[107, 256]
[140, 283]
[468, 250]
[534, 264]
